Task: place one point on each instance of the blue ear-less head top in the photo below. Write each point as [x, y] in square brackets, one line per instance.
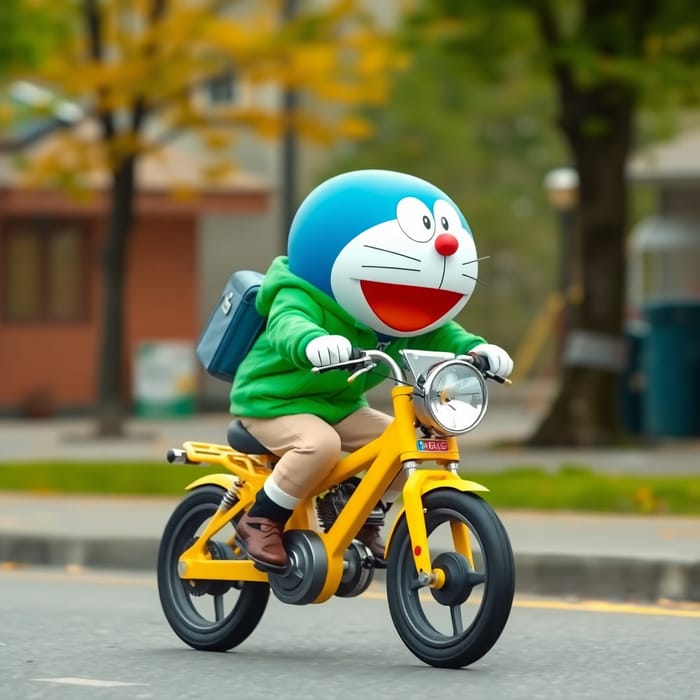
[340, 209]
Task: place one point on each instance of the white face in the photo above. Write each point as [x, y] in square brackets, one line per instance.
[410, 275]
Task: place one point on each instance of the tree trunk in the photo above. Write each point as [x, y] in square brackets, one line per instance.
[111, 408]
[597, 125]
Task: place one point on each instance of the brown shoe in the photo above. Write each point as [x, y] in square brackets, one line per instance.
[261, 539]
[370, 537]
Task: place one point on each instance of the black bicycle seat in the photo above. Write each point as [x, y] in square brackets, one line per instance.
[240, 439]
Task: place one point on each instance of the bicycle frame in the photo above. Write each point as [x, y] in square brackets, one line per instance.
[381, 460]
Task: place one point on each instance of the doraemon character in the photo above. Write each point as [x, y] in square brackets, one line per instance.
[375, 258]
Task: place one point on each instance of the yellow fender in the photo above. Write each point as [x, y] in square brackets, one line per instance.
[223, 480]
[422, 482]
[244, 489]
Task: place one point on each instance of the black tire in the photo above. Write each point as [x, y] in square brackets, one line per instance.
[452, 644]
[237, 606]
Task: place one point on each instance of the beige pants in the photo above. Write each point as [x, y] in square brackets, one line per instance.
[309, 447]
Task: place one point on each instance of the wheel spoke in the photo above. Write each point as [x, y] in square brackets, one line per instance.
[475, 579]
[416, 583]
[219, 607]
[456, 617]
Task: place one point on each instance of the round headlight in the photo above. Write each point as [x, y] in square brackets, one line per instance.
[454, 397]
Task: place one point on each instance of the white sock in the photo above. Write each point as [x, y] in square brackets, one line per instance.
[279, 496]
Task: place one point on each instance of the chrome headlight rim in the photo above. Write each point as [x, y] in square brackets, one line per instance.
[424, 409]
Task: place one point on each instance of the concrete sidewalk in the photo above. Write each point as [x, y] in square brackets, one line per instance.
[642, 558]
[485, 449]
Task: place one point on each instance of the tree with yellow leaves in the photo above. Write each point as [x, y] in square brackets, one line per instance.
[133, 66]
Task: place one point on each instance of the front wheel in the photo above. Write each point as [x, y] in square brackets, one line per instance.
[455, 625]
[207, 615]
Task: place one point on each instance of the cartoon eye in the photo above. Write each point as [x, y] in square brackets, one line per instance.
[447, 217]
[415, 219]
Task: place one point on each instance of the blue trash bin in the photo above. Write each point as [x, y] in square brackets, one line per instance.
[632, 380]
[672, 369]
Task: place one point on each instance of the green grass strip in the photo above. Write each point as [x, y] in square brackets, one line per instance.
[573, 487]
[122, 478]
[579, 488]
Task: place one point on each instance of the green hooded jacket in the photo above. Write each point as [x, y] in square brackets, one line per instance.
[275, 378]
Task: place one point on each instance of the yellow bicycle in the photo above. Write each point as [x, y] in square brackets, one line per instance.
[449, 563]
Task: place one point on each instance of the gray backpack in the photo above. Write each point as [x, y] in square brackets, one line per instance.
[233, 326]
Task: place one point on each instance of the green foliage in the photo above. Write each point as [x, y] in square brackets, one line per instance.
[140, 71]
[29, 34]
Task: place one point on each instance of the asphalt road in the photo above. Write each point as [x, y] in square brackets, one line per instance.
[76, 635]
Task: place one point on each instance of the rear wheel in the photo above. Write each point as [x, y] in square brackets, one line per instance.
[457, 624]
[207, 615]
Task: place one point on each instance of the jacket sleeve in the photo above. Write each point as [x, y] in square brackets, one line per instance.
[294, 320]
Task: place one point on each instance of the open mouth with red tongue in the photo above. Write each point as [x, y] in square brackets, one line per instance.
[405, 308]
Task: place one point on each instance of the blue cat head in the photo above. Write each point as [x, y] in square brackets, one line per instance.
[393, 250]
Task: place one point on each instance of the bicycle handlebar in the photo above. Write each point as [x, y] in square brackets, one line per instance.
[361, 361]
[482, 364]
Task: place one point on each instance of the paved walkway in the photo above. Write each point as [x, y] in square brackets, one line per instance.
[573, 554]
[484, 449]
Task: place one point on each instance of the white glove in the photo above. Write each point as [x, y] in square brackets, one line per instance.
[500, 362]
[328, 350]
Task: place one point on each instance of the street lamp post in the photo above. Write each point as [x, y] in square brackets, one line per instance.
[561, 185]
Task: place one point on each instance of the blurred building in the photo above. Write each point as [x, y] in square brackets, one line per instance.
[189, 235]
[665, 247]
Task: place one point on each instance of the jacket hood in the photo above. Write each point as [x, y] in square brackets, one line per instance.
[278, 276]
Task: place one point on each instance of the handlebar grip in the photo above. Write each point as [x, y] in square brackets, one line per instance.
[482, 364]
[178, 456]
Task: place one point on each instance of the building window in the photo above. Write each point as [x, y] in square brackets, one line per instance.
[44, 272]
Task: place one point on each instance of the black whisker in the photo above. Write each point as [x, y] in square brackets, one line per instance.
[389, 267]
[393, 252]
[486, 257]
[478, 281]
[444, 269]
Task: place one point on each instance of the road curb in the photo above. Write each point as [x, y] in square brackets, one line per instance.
[137, 554]
[608, 578]
[618, 578]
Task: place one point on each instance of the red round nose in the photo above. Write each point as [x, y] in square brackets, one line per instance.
[446, 244]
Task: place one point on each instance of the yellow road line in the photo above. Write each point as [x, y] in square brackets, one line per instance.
[664, 608]
[73, 574]
[76, 574]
